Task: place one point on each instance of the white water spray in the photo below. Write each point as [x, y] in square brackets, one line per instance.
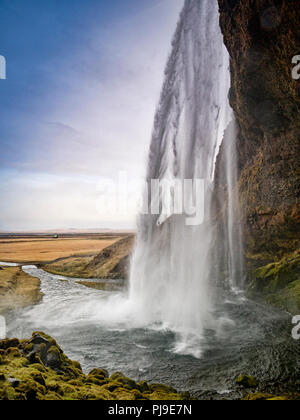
[171, 265]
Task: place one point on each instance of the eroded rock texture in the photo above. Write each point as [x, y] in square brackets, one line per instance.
[262, 37]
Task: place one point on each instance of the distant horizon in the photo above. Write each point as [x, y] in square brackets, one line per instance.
[67, 230]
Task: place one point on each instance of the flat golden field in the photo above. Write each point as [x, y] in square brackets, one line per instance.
[47, 249]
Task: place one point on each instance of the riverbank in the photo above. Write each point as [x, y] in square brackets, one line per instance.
[82, 257]
[17, 289]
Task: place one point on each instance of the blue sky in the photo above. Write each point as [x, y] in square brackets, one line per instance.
[83, 81]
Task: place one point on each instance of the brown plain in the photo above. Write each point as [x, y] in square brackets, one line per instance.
[35, 250]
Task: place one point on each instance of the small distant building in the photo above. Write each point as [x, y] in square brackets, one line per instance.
[55, 236]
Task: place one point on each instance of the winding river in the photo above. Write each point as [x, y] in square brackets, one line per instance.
[252, 338]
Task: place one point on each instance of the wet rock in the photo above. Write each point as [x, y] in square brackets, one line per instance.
[42, 349]
[38, 339]
[53, 358]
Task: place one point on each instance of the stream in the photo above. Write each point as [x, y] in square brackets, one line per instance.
[252, 339]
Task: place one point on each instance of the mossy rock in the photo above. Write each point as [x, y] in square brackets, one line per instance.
[99, 373]
[28, 362]
[13, 352]
[9, 343]
[287, 299]
[277, 275]
[162, 388]
[77, 365]
[54, 359]
[278, 283]
[247, 381]
[257, 397]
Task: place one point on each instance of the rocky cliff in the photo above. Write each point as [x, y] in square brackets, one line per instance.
[262, 37]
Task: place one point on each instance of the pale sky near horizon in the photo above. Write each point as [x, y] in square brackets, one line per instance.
[78, 105]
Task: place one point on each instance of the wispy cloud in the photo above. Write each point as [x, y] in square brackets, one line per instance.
[90, 117]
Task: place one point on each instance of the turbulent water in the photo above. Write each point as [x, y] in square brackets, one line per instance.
[257, 340]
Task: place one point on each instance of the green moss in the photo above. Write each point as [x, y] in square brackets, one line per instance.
[13, 352]
[77, 365]
[144, 387]
[8, 343]
[99, 373]
[162, 388]
[278, 283]
[38, 381]
[247, 381]
[162, 396]
[96, 380]
[279, 274]
[287, 299]
[257, 397]
[28, 348]
[269, 397]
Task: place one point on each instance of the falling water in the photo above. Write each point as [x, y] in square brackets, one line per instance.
[170, 277]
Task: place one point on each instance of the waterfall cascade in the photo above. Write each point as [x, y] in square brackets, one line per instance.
[170, 275]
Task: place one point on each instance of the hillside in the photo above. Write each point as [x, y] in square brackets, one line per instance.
[111, 263]
[17, 289]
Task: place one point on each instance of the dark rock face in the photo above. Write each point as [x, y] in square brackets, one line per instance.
[262, 37]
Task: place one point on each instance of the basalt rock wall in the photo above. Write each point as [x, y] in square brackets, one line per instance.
[262, 37]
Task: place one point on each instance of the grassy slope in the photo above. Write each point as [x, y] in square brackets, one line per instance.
[17, 289]
[111, 263]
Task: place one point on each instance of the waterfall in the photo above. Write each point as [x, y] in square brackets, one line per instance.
[170, 275]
